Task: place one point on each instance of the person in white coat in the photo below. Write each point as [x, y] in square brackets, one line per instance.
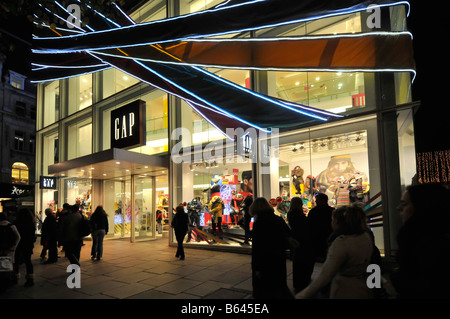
[347, 259]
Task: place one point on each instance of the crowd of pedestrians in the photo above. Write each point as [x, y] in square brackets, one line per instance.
[337, 237]
[62, 229]
[342, 240]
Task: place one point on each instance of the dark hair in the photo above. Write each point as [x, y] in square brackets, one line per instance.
[350, 220]
[179, 209]
[296, 204]
[100, 210]
[48, 211]
[260, 205]
[75, 208]
[322, 198]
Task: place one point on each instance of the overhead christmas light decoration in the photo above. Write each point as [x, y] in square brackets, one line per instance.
[169, 54]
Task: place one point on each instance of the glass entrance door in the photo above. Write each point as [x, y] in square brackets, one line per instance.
[118, 206]
[145, 219]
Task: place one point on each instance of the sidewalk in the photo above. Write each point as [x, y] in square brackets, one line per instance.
[143, 270]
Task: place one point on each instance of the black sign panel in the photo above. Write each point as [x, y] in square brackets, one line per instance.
[128, 125]
[48, 182]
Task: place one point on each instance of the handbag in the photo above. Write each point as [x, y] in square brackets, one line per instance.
[6, 264]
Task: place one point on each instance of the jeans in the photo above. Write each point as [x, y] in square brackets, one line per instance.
[97, 243]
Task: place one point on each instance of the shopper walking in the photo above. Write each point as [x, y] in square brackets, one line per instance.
[71, 238]
[100, 227]
[26, 225]
[347, 259]
[423, 243]
[49, 237]
[303, 259]
[180, 223]
[269, 245]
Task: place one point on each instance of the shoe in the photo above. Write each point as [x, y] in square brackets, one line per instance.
[92, 257]
[182, 258]
[98, 258]
[50, 262]
[29, 280]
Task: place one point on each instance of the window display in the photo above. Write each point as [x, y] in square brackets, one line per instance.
[78, 191]
[216, 209]
[334, 165]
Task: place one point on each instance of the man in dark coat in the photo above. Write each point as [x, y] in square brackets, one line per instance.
[50, 236]
[320, 225]
[180, 223]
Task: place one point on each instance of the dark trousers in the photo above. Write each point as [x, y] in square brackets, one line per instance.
[303, 267]
[97, 243]
[219, 225]
[73, 250]
[180, 249]
[52, 247]
[23, 256]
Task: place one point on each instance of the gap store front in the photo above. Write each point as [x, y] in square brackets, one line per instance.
[139, 146]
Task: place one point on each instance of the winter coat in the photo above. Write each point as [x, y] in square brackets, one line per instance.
[10, 252]
[99, 221]
[70, 228]
[269, 256]
[180, 223]
[346, 268]
[49, 229]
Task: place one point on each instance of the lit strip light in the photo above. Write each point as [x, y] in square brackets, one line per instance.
[191, 104]
[68, 76]
[341, 12]
[260, 96]
[68, 66]
[214, 106]
[200, 98]
[326, 37]
[287, 105]
[75, 26]
[232, 84]
[62, 7]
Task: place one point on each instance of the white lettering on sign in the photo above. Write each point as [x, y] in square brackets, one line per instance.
[17, 191]
[121, 130]
[48, 182]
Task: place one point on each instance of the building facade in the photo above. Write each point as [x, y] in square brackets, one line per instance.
[18, 141]
[365, 156]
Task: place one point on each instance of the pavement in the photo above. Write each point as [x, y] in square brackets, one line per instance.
[142, 270]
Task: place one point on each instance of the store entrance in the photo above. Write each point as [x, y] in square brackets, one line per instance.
[118, 206]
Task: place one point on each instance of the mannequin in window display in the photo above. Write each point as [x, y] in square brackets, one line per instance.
[235, 205]
[298, 184]
[216, 207]
[247, 183]
[342, 195]
[339, 166]
[194, 209]
[245, 207]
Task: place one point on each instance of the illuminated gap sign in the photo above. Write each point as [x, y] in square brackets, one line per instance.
[128, 125]
[48, 182]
